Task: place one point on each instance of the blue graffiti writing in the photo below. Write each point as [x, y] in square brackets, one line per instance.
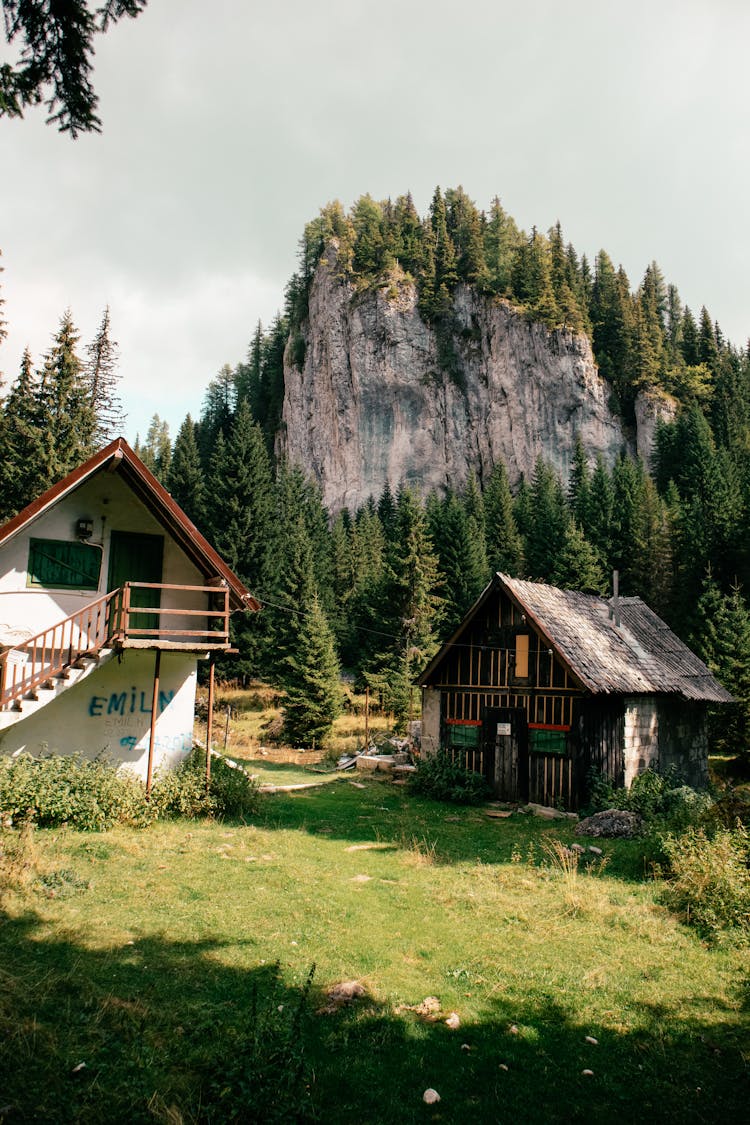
[129, 743]
[121, 703]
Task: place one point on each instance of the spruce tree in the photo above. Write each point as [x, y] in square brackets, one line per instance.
[23, 472]
[241, 514]
[312, 677]
[409, 609]
[504, 544]
[100, 372]
[548, 523]
[577, 565]
[722, 638]
[185, 479]
[65, 410]
[598, 529]
[156, 451]
[502, 240]
[460, 556]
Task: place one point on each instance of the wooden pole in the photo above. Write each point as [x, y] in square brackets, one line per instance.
[367, 719]
[152, 738]
[226, 728]
[210, 718]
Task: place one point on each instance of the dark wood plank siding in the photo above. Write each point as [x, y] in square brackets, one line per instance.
[552, 780]
[599, 739]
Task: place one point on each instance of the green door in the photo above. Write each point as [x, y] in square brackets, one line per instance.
[137, 558]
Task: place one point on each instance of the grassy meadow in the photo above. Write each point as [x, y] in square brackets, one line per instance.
[174, 964]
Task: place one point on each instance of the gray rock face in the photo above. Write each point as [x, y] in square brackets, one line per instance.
[373, 403]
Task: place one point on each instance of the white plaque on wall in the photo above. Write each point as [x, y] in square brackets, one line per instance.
[503, 728]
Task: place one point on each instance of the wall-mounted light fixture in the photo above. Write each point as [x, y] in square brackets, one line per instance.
[84, 529]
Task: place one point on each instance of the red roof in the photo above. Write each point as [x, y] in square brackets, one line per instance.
[119, 457]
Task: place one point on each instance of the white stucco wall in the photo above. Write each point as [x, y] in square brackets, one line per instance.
[109, 502]
[109, 713]
[430, 721]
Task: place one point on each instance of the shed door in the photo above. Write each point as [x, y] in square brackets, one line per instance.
[506, 740]
[137, 558]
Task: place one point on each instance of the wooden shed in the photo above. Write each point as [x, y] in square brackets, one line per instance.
[538, 687]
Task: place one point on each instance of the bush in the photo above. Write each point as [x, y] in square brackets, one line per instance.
[659, 799]
[182, 792]
[95, 795]
[439, 777]
[234, 793]
[85, 794]
[710, 880]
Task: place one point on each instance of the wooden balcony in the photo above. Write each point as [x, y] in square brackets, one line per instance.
[194, 619]
[200, 622]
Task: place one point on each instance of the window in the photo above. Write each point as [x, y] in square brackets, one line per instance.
[547, 741]
[59, 563]
[522, 656]
[461, 735]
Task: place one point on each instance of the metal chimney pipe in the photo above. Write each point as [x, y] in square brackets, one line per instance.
[615, 611]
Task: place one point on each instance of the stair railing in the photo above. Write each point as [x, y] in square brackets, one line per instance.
[29, 664]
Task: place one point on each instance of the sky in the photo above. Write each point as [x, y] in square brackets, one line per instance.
[227, 126]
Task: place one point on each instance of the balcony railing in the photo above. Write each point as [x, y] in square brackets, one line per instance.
[123, 618]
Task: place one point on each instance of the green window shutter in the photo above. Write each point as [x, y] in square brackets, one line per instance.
[460, 736]
[60, 564]
[547, 742]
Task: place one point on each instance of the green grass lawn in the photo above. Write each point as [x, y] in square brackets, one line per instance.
[151, 957]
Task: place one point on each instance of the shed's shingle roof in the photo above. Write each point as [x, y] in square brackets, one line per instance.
[641, 656]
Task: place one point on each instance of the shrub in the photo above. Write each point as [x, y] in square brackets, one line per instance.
[95, 795]
[182, 792]
[710, 879]
[439, 777]
[660, 800]
[234, 793]
[85, 794]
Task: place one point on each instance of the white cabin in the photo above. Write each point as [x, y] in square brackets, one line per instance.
[109, 596]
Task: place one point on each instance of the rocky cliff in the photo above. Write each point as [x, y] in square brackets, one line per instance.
[380, 398]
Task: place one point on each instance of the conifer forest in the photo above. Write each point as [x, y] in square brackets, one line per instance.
[373, 592]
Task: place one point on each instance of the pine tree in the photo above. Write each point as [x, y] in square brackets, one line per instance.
[460, 556]
[410, 609]
[185, 479]
[502, 240]
[579, 486]
[549, 521]
[156, 451]
[598, 529]
[23, 473]
[722, 638]
[503, 540]
[100, 373]
[65, 410]
[312, 678]
[577, 565]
